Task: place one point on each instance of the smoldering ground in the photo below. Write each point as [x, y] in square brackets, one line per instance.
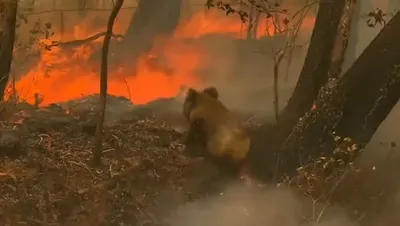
[240, 206]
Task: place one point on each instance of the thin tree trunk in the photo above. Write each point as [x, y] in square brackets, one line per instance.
[251, 22]
[62, 26]
[256, 24]
[98, 148]
[353, 106]
[277, 63]
[8, 18]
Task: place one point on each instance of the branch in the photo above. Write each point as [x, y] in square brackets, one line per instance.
[78, 42]
[73, 10]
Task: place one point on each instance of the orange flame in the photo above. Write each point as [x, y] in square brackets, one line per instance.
[63, 75]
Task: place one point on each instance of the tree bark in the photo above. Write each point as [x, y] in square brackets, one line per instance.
[8, 18]
[314, 74]
[351, 54]
[342, 39]
[97, 150]
[352, 106]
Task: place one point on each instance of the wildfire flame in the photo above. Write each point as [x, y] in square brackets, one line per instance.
[63, 75]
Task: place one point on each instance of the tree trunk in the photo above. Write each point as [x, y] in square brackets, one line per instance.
[317, 63]
[8, 18]
[251, 22]
[313, 75]
[256, 24]
[353, 106]
[98, 148]
[351, 54]
[342, 39]
[152, 18]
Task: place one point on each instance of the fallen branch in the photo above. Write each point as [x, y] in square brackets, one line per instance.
[113, 181]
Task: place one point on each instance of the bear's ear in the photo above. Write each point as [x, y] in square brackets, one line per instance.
[212, 92]
[191, 94]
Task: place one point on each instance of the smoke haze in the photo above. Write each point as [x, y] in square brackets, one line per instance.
[243, 74]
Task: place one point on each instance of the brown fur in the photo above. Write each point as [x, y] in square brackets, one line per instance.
[214, 126]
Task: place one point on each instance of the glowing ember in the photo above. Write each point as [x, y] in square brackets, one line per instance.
[64, 75]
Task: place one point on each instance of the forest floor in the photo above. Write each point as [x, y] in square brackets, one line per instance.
[144, 178]
[49, 179]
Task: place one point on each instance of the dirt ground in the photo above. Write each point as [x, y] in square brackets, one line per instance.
[46, 176]
[52, 182]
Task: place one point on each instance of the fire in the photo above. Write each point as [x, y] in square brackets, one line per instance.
[62, 75]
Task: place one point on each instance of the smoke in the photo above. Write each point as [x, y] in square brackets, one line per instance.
[241, 206]
[242, 71]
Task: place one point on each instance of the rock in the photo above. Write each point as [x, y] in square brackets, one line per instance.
[11, 142]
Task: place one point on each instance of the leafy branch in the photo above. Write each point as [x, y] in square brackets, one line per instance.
[236, 7]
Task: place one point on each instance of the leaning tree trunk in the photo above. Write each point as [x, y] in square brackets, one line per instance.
[152, 18]
[342, 39]
[313, 75]
[353, 106]
[8, 18]
[351, 54]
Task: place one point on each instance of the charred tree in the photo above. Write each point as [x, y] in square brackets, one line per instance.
[152, 18]
[352, 106]
[8, 18]
[97, 150]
